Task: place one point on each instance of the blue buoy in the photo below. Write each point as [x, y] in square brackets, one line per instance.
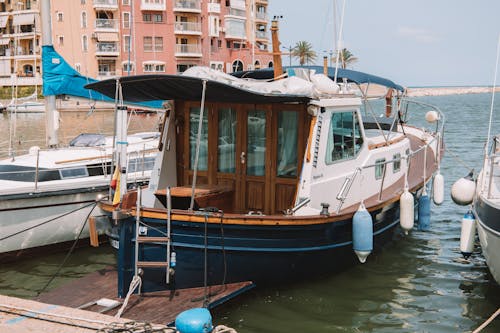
[424, 212]
[197, 320]
[362, 233]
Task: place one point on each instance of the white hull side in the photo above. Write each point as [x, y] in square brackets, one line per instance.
[62, 227]
[490, 244]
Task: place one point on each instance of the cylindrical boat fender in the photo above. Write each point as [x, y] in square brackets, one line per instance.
[438, 189]
[467, 234]
[462, 191]
[424, 212]
[406, 211]
[362, 233]
[196, 320]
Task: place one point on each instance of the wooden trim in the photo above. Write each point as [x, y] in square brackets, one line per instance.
[386, 144]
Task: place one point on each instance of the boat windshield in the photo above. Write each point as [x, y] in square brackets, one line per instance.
[88, 140]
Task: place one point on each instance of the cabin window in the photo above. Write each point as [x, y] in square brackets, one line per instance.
[287, 144]
[396, 164]
[379, 168]
[194, 117]
[256, 143]
[73, 173]
[227, 140]
[344, 137]
[141, 164]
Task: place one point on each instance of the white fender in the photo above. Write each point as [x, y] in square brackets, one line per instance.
[406, 211]
[438, 189]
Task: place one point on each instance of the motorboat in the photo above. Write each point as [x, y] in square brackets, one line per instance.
[270, 181]
[48, 195]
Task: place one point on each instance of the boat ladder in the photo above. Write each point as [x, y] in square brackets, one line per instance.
[144, 239]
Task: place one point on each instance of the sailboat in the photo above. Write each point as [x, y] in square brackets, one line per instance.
[48, 195]
[271, 181]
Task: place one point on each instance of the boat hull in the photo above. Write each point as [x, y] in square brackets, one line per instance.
[33, 221]
[264, 254]
[488, 222]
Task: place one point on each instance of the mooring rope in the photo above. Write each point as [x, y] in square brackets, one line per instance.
[69, 252]
[134, 284]
[93, 203]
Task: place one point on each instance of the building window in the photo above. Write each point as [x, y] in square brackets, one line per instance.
[158, 18]
[126, 2]
[82, 2]
[183, 67]
[128, 67]
[84, 20]
[59, 16]
[78, 67]
[126, 20]
[148, 44]
[237, 66]
[158, 44]
[154, 68]
[147, 17]
[126, 43]
[60, 40]
[85, 43]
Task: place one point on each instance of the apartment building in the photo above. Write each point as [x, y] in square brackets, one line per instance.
[20, 40]
[108, 38]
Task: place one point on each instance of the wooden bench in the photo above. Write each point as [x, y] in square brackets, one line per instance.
[220, 196]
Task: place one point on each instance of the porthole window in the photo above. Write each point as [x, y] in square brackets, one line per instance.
[379, 168]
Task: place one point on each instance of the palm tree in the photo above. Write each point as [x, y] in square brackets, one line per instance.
[345, 58]
[303, 50]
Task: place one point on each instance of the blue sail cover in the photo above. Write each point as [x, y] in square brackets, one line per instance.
[59, 78]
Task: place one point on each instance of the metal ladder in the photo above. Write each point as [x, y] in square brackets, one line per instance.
[140, 240]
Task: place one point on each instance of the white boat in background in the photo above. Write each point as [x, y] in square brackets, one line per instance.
[487, 209]
[26, 107]
[48, 194]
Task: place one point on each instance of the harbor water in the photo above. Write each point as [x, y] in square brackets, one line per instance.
[419, 283]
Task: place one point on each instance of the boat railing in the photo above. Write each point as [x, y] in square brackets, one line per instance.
[435, 138]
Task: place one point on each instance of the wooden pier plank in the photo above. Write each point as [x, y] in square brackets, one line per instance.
[158, 307]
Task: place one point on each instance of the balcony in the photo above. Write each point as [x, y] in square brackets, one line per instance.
[103, 75]
[213, 8]
[235, 29]
[106, 25]
[261, 16]
[238, 4]
[187, 28]
[7, 81]
[154, 5]
[188, 50]
[105, 4]
[237, 12]
[261, 35]
[189, 6]
[107, 49]
[263, 2]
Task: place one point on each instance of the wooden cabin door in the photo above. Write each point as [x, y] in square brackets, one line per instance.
[254, 159]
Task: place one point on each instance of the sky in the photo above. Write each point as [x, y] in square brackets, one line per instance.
[412, 42]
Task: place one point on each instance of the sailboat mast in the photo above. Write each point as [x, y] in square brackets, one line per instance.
[51, 118]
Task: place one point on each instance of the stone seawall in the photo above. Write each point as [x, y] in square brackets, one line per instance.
[441, 91]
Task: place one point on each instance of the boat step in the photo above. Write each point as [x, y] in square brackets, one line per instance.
[152, 264]
[145, 239]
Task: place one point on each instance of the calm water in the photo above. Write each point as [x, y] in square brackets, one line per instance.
[418, 284]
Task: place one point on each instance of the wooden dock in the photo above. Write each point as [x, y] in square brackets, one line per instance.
[158, 307]
[25, 316]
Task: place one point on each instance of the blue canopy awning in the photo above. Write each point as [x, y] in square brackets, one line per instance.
[350, 75]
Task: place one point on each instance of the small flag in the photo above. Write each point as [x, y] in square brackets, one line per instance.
[115, 184]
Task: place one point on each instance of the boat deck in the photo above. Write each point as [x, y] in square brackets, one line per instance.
[157, 307]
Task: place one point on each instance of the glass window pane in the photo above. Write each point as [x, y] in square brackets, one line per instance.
[194, 117]
[379, 168]
[344, 138]
[227, 141]
[256, 143]
[287, 144]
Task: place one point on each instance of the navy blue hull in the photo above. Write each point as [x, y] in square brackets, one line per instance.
[262, 254]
